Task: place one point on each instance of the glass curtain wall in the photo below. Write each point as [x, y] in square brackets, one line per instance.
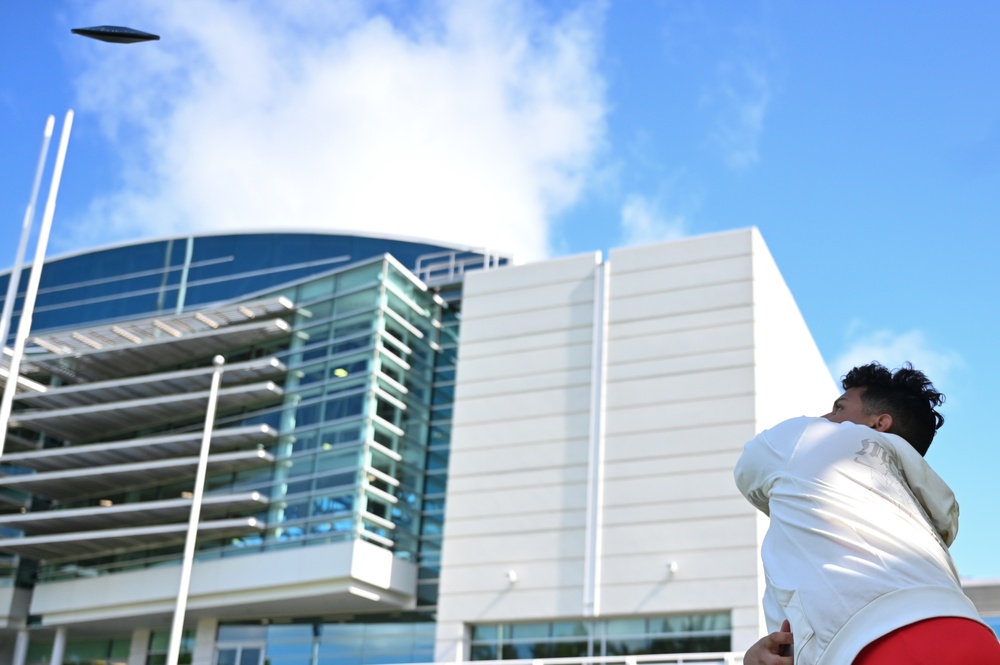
[394, 348]
[354, 424]
[353, 642]
[356, 419]
[84, 652]
[186, 272]
[699, 633]
[438, 447]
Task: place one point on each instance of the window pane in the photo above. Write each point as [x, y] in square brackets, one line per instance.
[521, 631]
[226, 657]
[572, 649]
[570, 629]
[242, 633]
[250, 656]
[628, 647]
[487, 631]
[483, 652]
[627, 627]
[632, 636]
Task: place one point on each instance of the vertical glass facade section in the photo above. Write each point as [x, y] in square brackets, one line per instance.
[358, 420]
[357, 410]
[435, 482]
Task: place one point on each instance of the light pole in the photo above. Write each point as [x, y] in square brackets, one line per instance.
[24, 325]
[187, 563]
[29, 218]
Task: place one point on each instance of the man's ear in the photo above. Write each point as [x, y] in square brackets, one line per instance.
[883, 423]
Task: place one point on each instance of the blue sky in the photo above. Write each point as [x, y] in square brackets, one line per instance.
[863, 139]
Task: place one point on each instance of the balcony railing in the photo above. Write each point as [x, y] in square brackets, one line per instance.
[450, 266]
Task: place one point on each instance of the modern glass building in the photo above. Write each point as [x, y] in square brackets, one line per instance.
[421, 452]
[328, 460]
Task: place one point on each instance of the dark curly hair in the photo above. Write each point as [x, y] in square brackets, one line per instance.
[906, 394]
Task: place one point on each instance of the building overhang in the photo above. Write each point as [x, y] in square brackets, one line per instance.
[130, 515]
[24, 384]
[91, 421]
[150, 385]
[105, 542]
[16, 442]
[145, 449]
[143, 346]
[332, 580]
[77, 484]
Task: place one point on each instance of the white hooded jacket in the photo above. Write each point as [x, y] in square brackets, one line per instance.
[858, 541]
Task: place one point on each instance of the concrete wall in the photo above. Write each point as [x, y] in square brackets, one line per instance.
[341, 577]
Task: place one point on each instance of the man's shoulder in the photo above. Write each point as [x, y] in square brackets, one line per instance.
[795, 427]
[824, 442]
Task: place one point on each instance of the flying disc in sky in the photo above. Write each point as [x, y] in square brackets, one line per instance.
[115, 34]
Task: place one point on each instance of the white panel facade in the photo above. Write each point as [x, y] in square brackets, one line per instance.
[666, 359]
[680, 403]
[517, 473]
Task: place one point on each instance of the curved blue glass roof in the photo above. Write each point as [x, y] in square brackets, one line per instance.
[146, 277]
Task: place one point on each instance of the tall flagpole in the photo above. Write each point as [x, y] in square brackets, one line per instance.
[187, 563]
[24, 325]
[29, 217]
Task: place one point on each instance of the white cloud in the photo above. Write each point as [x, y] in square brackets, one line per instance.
[893, 349]
[740, 98]
[467, 122]
[642, 222]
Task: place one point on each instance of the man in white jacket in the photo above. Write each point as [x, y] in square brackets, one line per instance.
[856, 555]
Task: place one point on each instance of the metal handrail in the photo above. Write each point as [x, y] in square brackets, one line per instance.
[451, 265]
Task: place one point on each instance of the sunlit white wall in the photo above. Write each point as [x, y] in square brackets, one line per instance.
[702, 343]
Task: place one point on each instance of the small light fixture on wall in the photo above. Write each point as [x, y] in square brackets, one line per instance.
[672, 567]
[511, 576]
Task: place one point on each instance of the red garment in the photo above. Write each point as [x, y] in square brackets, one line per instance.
[940, 641]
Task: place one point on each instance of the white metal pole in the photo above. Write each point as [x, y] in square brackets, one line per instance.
[187, 563]
[24, 326]
[20, 647]
[29, 217]
[59, 646]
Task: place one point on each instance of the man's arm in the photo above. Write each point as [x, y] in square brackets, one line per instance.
[769, 649]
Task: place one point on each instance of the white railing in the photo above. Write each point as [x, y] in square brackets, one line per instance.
[714, 658]
[451, 265]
